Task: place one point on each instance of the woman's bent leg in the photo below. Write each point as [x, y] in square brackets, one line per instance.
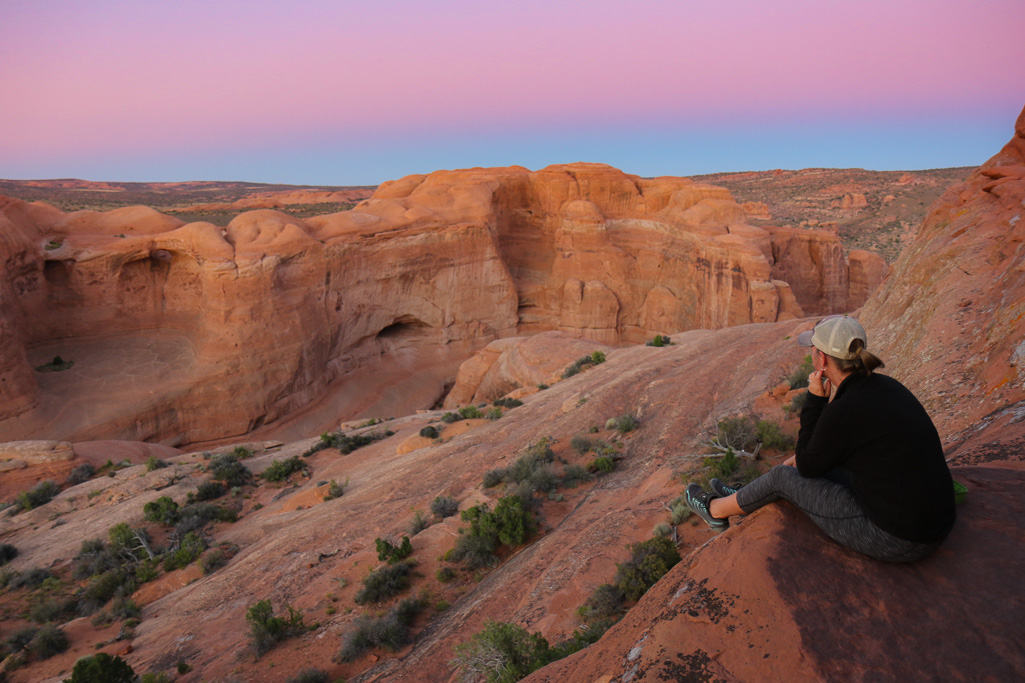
[834, 509]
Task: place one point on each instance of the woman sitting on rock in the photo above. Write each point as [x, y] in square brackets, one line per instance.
[869, 468]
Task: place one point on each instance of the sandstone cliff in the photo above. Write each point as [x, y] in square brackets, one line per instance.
[185, 333]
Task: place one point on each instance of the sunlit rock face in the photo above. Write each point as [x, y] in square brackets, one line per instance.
[187, 333]
[951, 316]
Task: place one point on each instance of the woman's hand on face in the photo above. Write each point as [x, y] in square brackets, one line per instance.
[818, 383]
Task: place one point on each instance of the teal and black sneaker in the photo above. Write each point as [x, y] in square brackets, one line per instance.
[723, 490]
[698, 500]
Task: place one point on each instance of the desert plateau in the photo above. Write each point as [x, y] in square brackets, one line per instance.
[278, 433]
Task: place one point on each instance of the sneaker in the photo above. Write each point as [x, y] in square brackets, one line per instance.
[723, 490]
[698, 500]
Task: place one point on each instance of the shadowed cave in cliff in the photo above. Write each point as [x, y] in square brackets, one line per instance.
[404, 329]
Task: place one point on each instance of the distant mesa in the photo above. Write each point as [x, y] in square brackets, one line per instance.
[268, 316]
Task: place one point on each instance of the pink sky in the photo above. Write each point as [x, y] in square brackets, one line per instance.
[346, 92]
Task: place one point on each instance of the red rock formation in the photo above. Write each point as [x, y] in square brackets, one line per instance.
[268, 315]
[277, 200]
[508, 364]
[772, 599]
[951, 316]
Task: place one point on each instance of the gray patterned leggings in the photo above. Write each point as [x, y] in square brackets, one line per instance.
[834, 509]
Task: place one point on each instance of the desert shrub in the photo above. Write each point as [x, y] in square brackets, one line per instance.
[80, 474]
[387, 552]
[48, 641]
[441, 605]
[335, 490]
[772, 436]
[543, 478]
[310, 675]
[574, 475]
[8, 552]
[188, 551]
[383, 583]
[444, 506]
[194, 517]
[797, 402]
[102, 588]
[369, 632]
[623, 423]
[159, 677]
[445, 574]
[101, 668]
[146, 570]
[537, 455]
[542, 386]
[678, 512]
[662, 530]
[576, 366]
[581, 444]
[510, 524]
[476, 552]
[604, 602]
[470, 412]
[163, 510]
[266, 630]
[241, 452]
[279, 470]
[610, 449]
[343, 442]
[738, 433]
[493, 413]
[572, 369]
[649, 561]
[50, 610]
[604, 464]
[41, 494]
[208, 490]
[449, 418]
[183, 667]
[493, 477]
[502, 652]
[660, 340]
[419, 522]
[213, 560]
[429, 432]
[507, 402]
[154, 463]
[407, 609]
[18, 640]
[127, 542]
[93, 558]
[798, 379]
[31, 578]
[125, 608]
[228, 469]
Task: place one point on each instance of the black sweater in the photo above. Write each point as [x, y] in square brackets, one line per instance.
[878, 434]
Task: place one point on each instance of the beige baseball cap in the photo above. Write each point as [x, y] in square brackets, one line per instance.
[833, 336]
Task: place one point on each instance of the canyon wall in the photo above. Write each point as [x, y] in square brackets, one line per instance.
[221, 331]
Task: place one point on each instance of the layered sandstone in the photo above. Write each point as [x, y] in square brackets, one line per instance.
[185, 333]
